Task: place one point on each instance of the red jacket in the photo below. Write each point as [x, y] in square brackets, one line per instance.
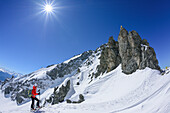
[34, 92]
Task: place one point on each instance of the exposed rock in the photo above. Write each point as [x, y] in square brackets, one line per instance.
[135, 53]
[130, 51]
[109, 58]
[19, 99]
[148, 58]
[81, 99]
[78, 83]
[21, 95]
[65, 69]
[8, 90]
[78, 70]
[145, 42]
[68, 101]
[59, 94]
[49, 65]
[113, 55]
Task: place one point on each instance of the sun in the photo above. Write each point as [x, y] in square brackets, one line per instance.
[48, 8]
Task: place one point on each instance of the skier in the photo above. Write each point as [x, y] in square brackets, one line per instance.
[33, 97]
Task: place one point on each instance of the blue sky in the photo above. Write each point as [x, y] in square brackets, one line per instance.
[28, 41]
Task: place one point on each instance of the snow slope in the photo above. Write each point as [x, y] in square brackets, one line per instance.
[72, 58]
[144, 91]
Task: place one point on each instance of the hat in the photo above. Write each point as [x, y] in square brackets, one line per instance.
[35, 85]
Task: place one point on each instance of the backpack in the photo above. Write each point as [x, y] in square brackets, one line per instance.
[30, 92]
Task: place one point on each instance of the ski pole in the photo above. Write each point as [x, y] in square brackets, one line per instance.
[39, 94]
[39, 98]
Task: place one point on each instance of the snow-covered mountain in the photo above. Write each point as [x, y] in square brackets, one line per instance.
[4, 73]
[120, 76]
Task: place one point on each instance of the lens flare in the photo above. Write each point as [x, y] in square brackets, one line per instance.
[48, 8]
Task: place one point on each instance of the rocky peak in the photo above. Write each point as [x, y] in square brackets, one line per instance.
[123, 32]
[135, 52]
[112, 43]
[145, 42]
[130, 51]
[129, 48]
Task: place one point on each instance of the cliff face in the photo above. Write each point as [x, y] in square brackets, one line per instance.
[109, 58]
[130, 51]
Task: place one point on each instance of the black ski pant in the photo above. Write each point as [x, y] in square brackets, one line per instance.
[32, 105]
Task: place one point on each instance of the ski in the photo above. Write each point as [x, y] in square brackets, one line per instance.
[36, 110]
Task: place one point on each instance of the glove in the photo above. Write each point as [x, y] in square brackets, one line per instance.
[39, 93]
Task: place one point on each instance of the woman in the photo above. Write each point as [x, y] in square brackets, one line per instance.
[33, 97]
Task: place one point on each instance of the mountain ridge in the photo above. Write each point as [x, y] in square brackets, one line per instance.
[130, 52]
[4, 74]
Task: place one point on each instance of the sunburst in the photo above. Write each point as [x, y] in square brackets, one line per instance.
[49, 8]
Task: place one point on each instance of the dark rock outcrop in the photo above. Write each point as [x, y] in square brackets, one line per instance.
[130, 51]
[109, 58]
[81, 99]
[148, 58]
[21, 96]
[65, 69]
[59, 94]
[8, 90]
[135, 53]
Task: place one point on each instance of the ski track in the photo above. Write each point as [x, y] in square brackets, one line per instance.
[149, 97]
[101, 106]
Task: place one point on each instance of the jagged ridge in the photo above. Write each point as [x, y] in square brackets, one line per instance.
[130, 51]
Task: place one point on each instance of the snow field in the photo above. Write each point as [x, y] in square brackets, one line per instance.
[144, 91]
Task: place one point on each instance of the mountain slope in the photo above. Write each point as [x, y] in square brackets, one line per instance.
[144, 91]
[119, 76]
